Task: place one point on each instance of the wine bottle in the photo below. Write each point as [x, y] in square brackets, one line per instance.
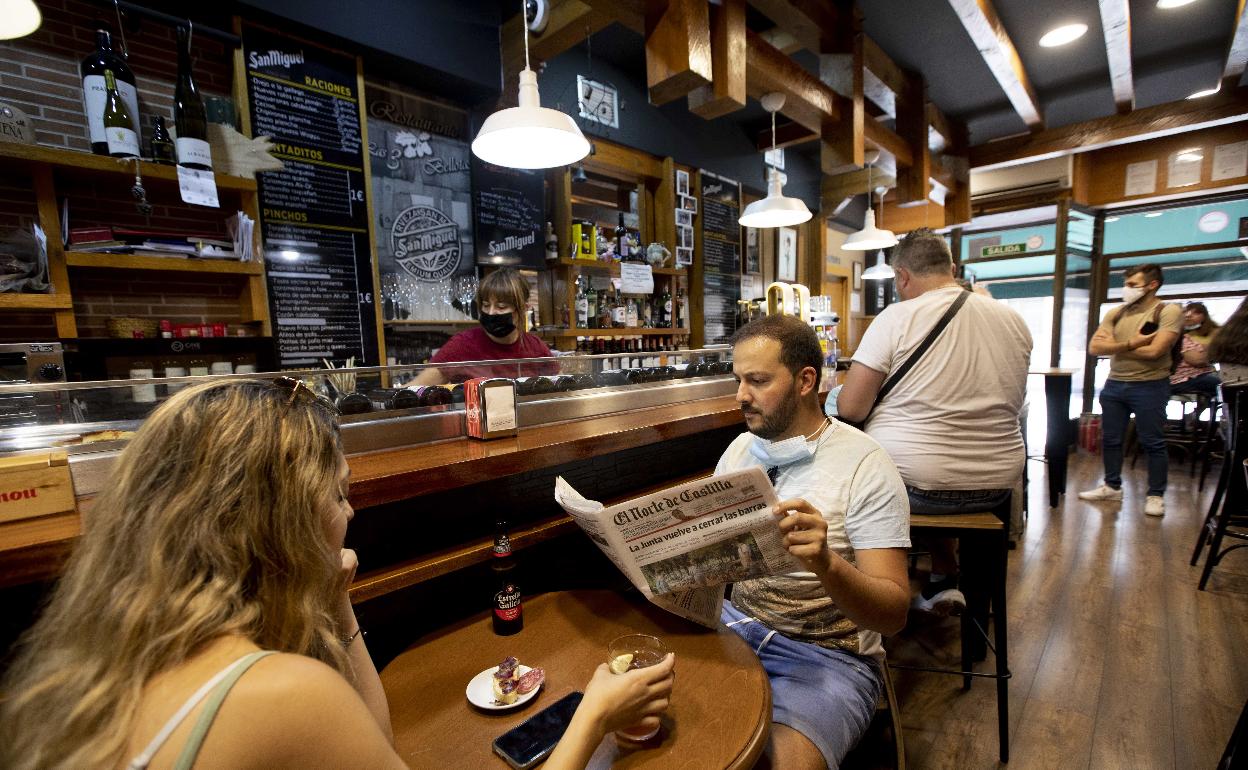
[162, 143]
[582, 306]
[94, 91]
[119, 131]
[188, 112]
[552, 244]
[621, 241]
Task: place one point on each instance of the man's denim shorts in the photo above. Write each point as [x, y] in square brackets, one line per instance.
[826, 695]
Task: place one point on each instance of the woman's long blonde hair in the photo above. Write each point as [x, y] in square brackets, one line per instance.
[213, 525]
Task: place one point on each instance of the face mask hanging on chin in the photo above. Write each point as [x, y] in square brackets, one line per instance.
[775, 454]
[498, 324]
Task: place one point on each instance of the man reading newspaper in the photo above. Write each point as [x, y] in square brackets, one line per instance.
[844, 514]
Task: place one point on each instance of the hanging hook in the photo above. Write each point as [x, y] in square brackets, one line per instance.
[121, 29]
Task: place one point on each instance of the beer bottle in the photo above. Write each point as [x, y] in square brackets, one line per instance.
[508, 614]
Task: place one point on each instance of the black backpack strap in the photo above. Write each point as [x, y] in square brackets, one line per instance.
[927, 342]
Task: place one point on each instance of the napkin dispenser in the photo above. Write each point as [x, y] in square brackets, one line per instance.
[490, 408]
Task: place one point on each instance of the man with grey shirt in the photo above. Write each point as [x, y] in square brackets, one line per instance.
[843, 512]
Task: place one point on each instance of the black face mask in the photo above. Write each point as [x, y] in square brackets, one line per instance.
[498, 324]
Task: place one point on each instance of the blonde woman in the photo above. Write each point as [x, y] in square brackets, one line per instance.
[213, 566]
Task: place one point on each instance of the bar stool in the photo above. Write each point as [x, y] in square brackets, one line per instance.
[1228, 511]
[985, 551]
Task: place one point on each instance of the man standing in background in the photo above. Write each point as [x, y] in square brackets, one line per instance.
[1137, 338]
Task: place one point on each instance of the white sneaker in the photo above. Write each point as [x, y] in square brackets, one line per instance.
[1103, 492]
[950, 601]
[1155, 505]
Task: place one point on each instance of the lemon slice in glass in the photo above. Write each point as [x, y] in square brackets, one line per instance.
[621, 663]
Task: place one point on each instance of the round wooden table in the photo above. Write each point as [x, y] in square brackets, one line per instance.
[719, 717]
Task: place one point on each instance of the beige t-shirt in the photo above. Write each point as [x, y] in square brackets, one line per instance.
[952, 421]
[1123, 324]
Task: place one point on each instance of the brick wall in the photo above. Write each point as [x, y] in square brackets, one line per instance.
[39, 73]
[195, 298]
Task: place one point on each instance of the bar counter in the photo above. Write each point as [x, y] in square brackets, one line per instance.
[35, 549]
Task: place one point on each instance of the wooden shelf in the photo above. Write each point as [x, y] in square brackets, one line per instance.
[430, 324]
[21, 301]
[602, 203]
[102, 164]
[614, 267]
[169, 264]
[627, 331]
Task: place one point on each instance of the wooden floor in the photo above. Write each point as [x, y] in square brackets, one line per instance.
[1118, 661]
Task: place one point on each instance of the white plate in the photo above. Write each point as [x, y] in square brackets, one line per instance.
[480, 690]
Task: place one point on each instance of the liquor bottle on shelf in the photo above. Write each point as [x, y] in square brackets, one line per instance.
[162, 143]
[188, 112]
[119, 133]
[665, 310]
[508, 610]
[582, 306]
[631, 316]
[681, 319]
[619, 314]
[94, 92]
[552, 243]
[592, 299]
[621, 241]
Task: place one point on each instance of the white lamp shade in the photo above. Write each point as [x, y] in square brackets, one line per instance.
[870, 237]
[880, 271]
[18, 18]
[530, 135]
[775, 210]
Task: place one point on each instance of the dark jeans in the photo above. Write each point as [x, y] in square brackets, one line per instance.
[1205, 384]
[1147, 401]
[954, 501]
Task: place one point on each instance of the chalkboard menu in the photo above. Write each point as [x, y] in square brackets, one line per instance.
[313, 213]
[719, 210]
[422, 204]
[509, 226]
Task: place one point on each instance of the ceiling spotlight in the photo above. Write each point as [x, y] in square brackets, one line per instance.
[1067, 33]
[1167, 4]
[1206, 92]
[1152, 214]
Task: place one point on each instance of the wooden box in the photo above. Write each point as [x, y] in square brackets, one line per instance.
[35, 485]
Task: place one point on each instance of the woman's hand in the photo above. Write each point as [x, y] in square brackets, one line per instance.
[346, 575]
[805, 533]
[616, 701]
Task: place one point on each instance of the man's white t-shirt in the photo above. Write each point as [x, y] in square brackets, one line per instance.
[851, 481]
[952, 421]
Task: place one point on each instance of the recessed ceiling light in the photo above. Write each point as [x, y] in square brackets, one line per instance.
[1173, 3]
[1062, 35]
[1154, 213]
[1111, 219]
[1206, 92]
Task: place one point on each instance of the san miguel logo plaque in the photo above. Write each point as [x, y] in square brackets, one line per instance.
[426, 243]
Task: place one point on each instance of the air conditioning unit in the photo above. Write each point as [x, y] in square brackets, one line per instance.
[1029, 180]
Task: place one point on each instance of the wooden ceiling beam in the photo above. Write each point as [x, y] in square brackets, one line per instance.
[678, 48]
[1116, 21]
[843, 146]
[835, 189]
[726, 93]
[808, 101]
[913, 180]
[1237, 56]
[979, 17]
[808, 21]
[788, 134]
[783, 41]
[1228, 106]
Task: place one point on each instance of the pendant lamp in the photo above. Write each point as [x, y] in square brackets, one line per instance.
[880, 271]
[775, 210]
[870, 237]
[18, 18]
[529, 135]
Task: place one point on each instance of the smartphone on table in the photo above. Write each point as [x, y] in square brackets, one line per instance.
[533, 739]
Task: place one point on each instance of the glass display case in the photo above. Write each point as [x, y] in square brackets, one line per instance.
[381, 407]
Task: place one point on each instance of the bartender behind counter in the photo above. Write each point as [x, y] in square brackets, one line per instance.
[501, 300]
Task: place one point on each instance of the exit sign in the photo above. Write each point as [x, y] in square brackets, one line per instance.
[1004, 250]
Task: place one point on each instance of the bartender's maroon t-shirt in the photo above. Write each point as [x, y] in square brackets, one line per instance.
[475, 345]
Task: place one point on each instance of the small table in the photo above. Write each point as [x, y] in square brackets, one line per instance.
[720, 713]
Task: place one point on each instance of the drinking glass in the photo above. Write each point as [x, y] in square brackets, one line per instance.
[626, 653]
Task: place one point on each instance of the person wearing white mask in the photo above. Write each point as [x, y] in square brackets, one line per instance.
[1137, 338]
[844, 514]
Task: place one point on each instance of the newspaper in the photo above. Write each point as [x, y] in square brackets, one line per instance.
[679, 546]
